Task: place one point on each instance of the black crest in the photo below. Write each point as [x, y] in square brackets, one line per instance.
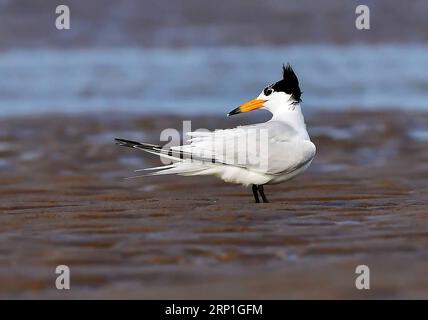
[289, 83]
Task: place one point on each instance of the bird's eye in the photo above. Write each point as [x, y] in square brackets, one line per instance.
[268, 91]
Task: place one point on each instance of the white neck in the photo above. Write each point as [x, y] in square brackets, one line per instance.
[290, 114]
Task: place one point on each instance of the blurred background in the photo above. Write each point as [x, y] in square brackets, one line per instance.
[132, 68]
[189, 56]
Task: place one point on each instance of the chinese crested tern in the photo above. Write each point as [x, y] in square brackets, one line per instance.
[256, 155]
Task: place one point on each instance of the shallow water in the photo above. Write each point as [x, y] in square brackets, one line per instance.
[216, 79]
[363, 201]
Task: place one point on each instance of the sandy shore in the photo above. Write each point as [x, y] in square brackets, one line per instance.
[64, 201]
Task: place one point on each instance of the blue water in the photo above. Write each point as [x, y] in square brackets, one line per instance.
[209, 80]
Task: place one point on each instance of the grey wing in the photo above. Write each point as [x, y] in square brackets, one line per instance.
[288, 156]
[269, 147]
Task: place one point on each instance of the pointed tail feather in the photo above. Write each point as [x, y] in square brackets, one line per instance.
[185, 163]
[172, 154]
[155, 168]
[157, 150]
[137, 145]
[180, 168]
[147, 147]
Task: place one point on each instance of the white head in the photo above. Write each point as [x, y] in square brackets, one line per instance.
[277, 97]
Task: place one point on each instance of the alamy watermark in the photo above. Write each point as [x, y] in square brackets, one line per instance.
[240, 147]
[62, 281]
[362, 282]
[362, 22]
[62, 21]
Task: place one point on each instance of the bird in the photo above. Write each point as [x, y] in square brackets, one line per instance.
[252, 155]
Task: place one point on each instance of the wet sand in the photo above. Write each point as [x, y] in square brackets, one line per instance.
[64, 201]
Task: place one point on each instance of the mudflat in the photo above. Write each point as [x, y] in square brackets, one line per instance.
[64, 201]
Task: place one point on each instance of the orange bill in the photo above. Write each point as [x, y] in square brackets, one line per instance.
[248, 106]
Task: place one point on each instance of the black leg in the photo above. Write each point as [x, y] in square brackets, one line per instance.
[262, 193]
[256, 195]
